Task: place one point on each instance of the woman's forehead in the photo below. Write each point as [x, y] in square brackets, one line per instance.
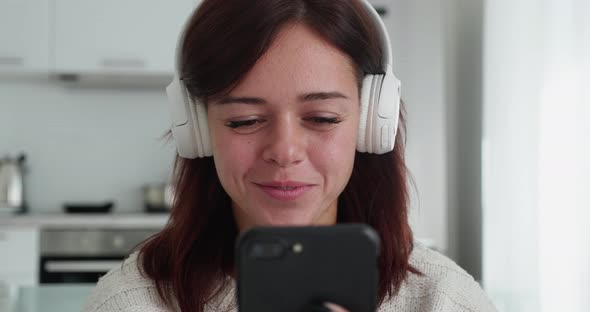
[300, 62]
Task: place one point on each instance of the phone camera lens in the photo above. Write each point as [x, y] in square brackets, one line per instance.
[266, 250]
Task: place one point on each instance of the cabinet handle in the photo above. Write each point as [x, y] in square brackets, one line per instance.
[69, 266]
[127, 63]
[11, 60]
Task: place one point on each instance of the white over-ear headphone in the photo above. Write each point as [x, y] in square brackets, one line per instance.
[380, 102]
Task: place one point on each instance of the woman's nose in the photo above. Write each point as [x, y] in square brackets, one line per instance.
[286, 144]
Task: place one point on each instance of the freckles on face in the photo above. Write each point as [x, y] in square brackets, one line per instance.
[234, 156]
[284, 138]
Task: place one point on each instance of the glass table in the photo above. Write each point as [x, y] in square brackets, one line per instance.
[45, 298]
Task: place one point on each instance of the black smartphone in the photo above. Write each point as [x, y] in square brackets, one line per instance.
[288, 269]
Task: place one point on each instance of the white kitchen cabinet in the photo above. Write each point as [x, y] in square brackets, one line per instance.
[118, 36]
[19, 260]
[24, 36]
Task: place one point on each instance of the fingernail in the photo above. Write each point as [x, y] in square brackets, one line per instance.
[334, 308]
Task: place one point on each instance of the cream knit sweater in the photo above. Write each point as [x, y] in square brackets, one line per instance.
[445, 287]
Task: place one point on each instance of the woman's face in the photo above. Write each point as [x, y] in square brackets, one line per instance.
[284, 139]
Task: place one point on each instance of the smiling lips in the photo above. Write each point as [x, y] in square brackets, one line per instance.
[285, 191]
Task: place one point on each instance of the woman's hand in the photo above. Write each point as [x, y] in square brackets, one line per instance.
[328, 307]
[334, 307]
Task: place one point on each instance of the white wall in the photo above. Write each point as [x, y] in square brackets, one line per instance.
[84, 144]
[463, 20]
[417, 34]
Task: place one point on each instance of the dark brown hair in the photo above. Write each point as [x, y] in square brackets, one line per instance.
[191, 257]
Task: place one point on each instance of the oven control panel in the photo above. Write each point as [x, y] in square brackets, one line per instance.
[91, 242]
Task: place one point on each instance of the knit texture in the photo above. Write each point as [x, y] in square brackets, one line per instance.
[444, 287]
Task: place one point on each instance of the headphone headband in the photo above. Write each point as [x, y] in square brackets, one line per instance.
[369, 9]
[380, 102]
[382, 31]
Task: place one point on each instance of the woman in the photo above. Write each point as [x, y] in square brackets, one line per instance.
[281, 83]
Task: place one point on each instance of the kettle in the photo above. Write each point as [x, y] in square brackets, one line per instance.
[158, 197]
[12, 184]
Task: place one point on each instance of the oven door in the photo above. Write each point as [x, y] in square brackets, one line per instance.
[82, 255]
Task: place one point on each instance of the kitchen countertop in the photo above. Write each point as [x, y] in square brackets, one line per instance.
[108, 221]
[86, 220]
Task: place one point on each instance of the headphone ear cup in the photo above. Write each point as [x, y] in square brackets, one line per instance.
[379, 113]
[182, 121]
[366, 87]
[386, 114]
[189, 122]
[202, 129]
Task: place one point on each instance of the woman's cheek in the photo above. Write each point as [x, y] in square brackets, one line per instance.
[238, 154]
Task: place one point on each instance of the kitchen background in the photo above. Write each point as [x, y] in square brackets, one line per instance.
[82, 95]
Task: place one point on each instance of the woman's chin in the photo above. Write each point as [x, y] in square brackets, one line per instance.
[286, 220]
[274, 216]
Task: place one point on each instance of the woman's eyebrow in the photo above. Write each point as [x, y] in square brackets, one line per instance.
[242, 100]
[316, 96]
[307, 97]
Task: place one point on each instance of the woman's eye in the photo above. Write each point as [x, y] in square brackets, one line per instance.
[325, 120]
[242, 123]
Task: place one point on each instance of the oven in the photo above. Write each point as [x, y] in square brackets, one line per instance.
[84, 255]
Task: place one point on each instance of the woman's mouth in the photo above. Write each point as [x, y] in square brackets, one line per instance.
[284, 191]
